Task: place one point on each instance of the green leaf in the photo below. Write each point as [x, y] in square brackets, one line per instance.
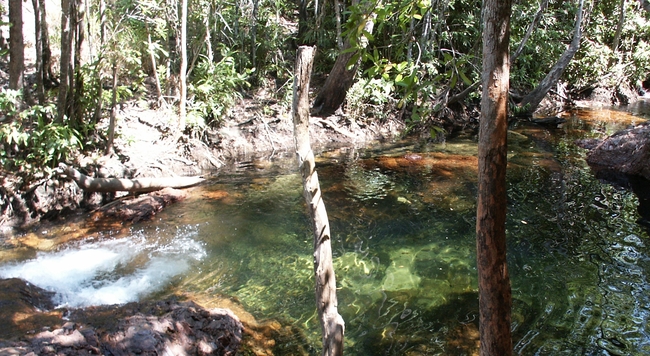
[464, 78]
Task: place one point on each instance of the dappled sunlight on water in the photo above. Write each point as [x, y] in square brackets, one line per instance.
[403, 230]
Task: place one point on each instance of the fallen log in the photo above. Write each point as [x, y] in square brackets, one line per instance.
[135, 185]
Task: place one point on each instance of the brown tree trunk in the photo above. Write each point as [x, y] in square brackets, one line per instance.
[78, 15]
[341, 77]
[495, 298]
[38, 43]
[16, 45]
[65, 61]
[332, 323]
[531, 101]
[49, 80]
[111, 125]
[183, 72]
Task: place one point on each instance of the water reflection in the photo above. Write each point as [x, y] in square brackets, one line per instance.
[403, 225]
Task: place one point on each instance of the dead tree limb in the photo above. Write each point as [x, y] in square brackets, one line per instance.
[332, 323]
[136, 185]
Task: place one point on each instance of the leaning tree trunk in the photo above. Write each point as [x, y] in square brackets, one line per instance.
[341, 77]
[538, 16]
[531, 101]
[16, 45]
[332, 323]
[619, 27]
[495, 299]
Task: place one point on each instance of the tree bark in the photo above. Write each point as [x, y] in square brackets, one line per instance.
[38, 43]
[137, 185]
[341, 77]
[49, 80]
[78, 15]
[182, 82]
[619, 27]
[16, 45]
[65, 61]
[331, 322]
[531, 101]
[111, 125]
[495, 298]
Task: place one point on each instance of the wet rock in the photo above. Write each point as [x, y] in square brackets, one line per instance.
[626, 152]
[153, 328]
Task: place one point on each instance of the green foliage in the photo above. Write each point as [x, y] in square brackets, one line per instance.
[213, 91]
[370, 98]
[29, 138]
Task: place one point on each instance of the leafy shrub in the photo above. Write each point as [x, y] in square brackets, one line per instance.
[30, 140]
[213, 91]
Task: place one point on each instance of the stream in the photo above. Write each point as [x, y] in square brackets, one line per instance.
[403, 223]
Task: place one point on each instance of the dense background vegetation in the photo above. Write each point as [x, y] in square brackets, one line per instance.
[420, 63]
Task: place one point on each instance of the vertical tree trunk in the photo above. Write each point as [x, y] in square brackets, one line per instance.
[65, 61]
[254, 34]
[38, 43]
[337, 13]
[332, 323]
[16, 45]
[208, 34]
[97, 115]
[111, 125]
[78, 82]
[49, 80]
[183, 72]
[495, 298]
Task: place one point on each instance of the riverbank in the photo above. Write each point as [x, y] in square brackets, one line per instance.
[148, 145]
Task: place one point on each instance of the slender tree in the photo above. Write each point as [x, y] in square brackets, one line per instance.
[38, 44]
[331, 322]
[495, 298]
[538, 16]
[65, 60]
[49, 79]
[16, 45]
[183, 72]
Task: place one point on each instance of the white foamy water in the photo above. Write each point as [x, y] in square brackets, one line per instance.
[108, 272]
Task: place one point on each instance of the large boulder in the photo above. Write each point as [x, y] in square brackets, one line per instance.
[626, 152]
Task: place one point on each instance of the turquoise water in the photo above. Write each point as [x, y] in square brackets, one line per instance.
[403, 240]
